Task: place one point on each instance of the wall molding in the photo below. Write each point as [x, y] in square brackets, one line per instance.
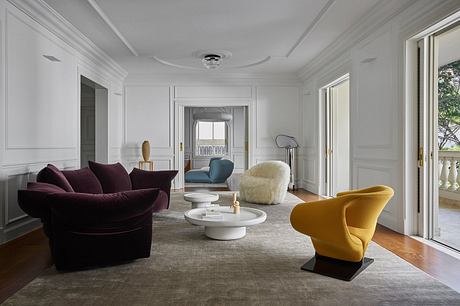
[380, 14]
[41, 12]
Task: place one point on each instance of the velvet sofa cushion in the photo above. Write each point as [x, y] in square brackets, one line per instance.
[113, 177]
[101, 210]
[52, 175]
[34, 200]
[83, 180]
[153, 179]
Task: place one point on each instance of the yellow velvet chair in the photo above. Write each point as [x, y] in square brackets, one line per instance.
[341, 229]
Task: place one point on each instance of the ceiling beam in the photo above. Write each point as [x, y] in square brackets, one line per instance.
[106, 19]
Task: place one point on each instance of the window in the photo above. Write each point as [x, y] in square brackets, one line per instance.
[211, 138]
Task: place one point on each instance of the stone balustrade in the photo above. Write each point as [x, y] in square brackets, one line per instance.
[449, 176]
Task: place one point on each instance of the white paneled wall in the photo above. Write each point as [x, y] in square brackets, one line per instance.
[373, 53]
[149, 116]
[39, 101]
[150, 113]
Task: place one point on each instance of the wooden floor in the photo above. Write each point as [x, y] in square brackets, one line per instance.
[25, 258]
[21, 260]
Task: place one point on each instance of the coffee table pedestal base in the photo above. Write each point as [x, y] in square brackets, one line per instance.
[225, 233]
[201, 204]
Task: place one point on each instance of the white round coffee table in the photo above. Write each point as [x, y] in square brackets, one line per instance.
[201, 199]
[230, 226]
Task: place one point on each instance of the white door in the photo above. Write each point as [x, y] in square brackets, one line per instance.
[337, 137]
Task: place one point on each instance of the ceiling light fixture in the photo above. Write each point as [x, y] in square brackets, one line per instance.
[212, 61]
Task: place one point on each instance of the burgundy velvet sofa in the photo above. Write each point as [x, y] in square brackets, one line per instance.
[98, 215]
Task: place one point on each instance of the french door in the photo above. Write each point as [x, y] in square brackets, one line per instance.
[439, 137]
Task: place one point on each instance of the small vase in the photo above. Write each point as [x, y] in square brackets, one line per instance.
[146, 150]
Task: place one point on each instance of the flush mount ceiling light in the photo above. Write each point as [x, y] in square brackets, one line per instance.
[211, 61]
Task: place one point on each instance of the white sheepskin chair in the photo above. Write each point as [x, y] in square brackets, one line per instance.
[265, 183]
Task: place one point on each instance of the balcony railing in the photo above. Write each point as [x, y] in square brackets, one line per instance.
[449, 176]
[212, 150]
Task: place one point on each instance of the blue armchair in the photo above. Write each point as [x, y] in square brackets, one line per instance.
[219, 171]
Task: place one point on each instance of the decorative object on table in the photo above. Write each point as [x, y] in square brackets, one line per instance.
[235, 204]
[341, 229]
[200, 200]
[219, 171]
[84, 211]
[236, 207]
[231, 226]
[146, 157]
[290, 145]
[265, 183]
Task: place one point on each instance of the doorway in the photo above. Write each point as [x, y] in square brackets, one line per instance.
[439, 136]
[189, 152]
[336, 105]
[94, 138]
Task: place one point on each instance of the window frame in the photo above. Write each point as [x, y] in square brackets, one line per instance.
[195, 140]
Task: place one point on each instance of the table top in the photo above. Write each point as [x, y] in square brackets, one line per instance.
[246, 217]
[201, 197]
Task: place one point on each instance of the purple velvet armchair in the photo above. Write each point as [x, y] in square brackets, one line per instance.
[98, 215]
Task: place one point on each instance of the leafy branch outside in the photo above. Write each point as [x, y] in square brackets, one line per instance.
[449, 107]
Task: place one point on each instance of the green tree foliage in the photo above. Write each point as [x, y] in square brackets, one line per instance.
[448, 104]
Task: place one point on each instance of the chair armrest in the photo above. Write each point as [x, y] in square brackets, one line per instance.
[34, 203]
[324, 219]
[79, 209]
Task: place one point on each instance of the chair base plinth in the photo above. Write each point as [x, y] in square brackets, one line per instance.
[335, 268]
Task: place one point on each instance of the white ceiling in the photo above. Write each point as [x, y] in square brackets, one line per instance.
[283, 34]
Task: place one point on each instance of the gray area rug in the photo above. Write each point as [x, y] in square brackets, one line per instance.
[186, 268]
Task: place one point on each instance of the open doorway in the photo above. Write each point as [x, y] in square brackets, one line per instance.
[215, 145]
[94, 139]
[336, 105]
[439, 136]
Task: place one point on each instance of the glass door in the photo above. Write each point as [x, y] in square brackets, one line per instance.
[439, 136]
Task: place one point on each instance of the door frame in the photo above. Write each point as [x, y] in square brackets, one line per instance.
[100, 84]
[420, 189]
[325, 164]
[179, 106]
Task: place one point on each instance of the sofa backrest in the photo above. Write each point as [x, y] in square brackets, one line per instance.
[220, 170]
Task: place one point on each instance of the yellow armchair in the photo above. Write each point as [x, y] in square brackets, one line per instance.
[341, 228]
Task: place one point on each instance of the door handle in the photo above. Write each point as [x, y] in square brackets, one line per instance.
[181, 147]
[421, 157]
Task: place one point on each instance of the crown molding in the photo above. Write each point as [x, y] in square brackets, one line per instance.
[379, 14]
[45, 15]
[114, 29]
